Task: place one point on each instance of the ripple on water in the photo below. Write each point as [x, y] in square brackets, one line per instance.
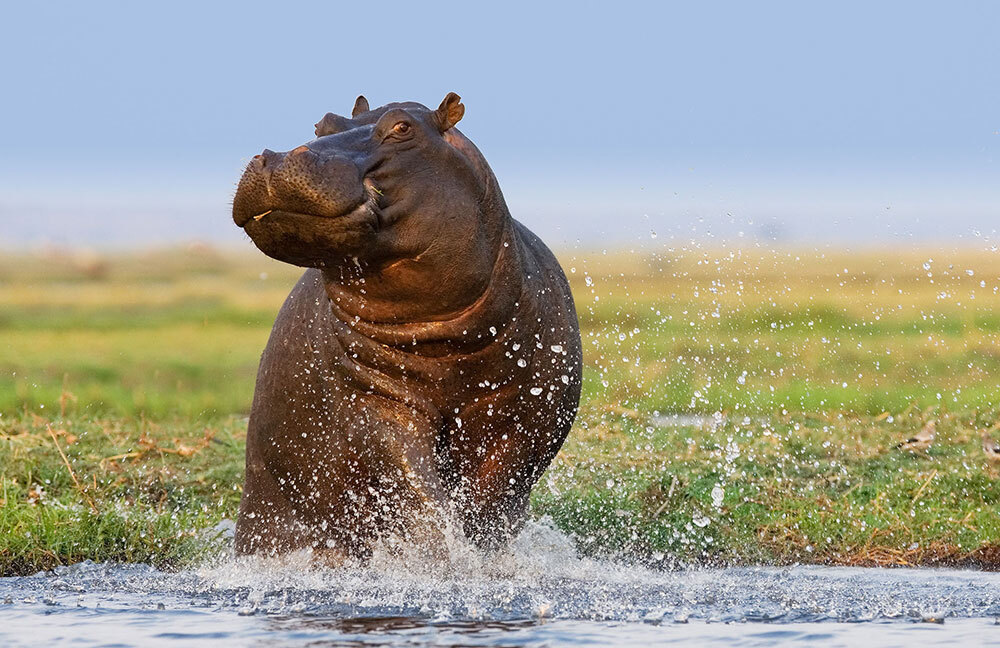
[538, 592]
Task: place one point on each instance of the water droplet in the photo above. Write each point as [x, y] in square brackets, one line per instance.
[718, 494]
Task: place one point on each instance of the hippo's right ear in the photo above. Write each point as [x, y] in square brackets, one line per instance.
[450, 112]
[360, 107]
[330, 124]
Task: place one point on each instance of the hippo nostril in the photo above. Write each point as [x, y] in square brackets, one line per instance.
[298, 150]
[267, 157]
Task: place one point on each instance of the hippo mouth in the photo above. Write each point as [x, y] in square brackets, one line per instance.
[368, 207]
[269, 215]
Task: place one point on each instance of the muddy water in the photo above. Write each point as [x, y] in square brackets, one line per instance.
[539, 593]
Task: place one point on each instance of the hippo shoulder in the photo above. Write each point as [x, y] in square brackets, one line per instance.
[301, 327]
[540, 255]
[304, 303]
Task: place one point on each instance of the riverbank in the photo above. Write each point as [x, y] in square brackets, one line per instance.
[796, 490]
[739, 407]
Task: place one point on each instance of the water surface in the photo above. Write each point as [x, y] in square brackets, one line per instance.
[539, 593]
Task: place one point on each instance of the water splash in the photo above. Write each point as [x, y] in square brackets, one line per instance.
[540, 575]
[540, 579]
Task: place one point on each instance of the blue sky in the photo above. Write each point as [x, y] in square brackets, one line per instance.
[851, 121]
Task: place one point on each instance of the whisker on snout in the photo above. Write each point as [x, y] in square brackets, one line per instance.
[372, 189]
[373, 204]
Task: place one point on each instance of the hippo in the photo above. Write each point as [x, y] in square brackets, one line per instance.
[426, 368]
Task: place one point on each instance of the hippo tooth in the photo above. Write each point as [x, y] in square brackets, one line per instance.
[260, 216]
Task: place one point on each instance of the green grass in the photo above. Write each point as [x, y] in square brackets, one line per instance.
[793, 488]
[127, 490]
[817, 363]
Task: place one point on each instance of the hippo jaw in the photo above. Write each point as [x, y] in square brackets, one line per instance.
[310, 239]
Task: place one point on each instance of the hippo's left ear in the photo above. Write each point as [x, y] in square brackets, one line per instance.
[450, 112]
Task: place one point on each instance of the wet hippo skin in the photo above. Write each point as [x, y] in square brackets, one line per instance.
[426, 368]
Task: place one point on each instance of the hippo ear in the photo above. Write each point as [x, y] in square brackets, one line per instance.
[360, 106]
[329, 125]
[450, 112]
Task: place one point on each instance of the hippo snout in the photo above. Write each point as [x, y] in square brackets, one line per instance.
[299, 181]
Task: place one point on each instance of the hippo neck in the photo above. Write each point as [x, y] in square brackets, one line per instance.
[469, 327]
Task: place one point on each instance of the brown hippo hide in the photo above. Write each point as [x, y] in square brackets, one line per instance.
[427, 368]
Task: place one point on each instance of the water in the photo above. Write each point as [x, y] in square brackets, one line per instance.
[539, 593]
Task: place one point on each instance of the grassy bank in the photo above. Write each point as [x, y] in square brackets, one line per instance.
[124, 383]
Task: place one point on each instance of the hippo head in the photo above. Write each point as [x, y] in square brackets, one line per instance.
[382, 187]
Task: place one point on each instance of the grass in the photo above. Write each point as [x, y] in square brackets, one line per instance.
[796, 488]
[115, 489]
[125, 382]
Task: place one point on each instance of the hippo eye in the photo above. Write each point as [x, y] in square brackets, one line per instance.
[401, 128]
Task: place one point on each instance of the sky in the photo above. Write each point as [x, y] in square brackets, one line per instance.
[127, 124]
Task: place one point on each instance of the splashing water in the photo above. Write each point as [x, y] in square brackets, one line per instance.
[537, 592]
